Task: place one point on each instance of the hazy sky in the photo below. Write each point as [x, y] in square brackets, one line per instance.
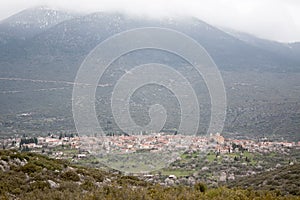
[272, 19]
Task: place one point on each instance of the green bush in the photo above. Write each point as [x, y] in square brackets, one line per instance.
[200, 187]
[39, 185]
[5, 158]
[88, 185]
[131, 180]
[31, 168]
[96, 174]
[69, 186]
[19, 156]
[70, 176]
[48, 164]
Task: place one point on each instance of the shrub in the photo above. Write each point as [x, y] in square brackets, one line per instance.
[31, 168]
[131, 180]
[5, 158]
[39, 185]
[69, 186]
[96, 174]
[200, 187]
[70, 176]
[88, 185]
[19, 156]
[48, 164]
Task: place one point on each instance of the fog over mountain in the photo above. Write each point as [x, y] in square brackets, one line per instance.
[270, 19]
[41, 50]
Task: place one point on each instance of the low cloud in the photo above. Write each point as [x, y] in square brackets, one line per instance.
[271, 19]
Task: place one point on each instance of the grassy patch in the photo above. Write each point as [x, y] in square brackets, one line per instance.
[178, 172]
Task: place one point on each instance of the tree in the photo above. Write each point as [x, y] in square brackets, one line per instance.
[247, 159]
[235, 158]
[35, 140]
[200, 187]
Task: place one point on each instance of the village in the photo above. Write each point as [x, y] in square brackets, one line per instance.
[84, 145]
[213, 159]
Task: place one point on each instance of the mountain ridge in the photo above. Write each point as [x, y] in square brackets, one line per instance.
[262, 84]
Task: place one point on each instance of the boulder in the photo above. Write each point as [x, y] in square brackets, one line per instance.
[191, 180]
[205, 168]
[53, 184]
[2, 168]
[231, 177]
[223, 177]
[169, 182]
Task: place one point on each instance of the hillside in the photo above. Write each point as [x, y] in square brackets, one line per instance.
[284, 179]
[30, 22]
[42, 49]
[33, 176]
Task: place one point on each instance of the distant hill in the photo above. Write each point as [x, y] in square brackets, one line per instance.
[31, 22]
[67, 40]
[261, 77]
[290, 50]
[283, 179]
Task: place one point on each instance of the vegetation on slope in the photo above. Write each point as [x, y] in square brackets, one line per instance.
[284, 179]
[33, 176]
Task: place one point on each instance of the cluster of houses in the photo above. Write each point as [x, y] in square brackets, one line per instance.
[33, 143]
[135, 143]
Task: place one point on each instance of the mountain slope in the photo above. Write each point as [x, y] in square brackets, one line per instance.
[17, 29]
[261, 77]
[31, 22]
[289, 50]
[66, 44]
[284, 179]
[33, 176]
[80, 35]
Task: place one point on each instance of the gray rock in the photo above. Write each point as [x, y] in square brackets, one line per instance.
[2, 168]
[27, 177]
[17, 161]
[278, 165]
[81, 177]
[23, 163]
[205, 168]
[169, 182]
[98, 184]
[107, 181]
[231, 177]
[223, 177]
[53, 184]
[69, 169]
[5, 165]
[191, 180]
[259, 167]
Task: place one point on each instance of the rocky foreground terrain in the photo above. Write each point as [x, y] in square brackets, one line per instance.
[34, 176]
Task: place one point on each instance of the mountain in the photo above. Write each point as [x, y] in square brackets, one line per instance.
[290, 50]
[31, 22]
[261, 77]
[73, 38]
[18, 28]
